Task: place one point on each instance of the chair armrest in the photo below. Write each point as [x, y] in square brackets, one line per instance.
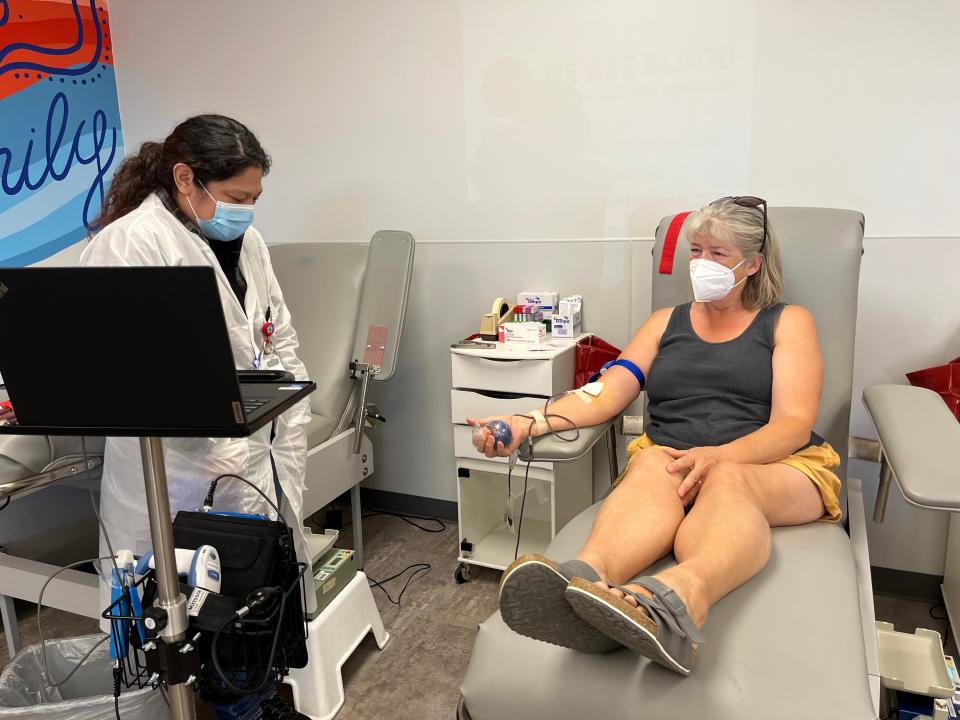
[548, 448]
[920, 439]
[22, 483]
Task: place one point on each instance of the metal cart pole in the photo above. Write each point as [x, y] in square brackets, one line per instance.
[169, 596]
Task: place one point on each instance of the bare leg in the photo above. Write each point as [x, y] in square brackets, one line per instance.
[637, 523]
[725, 539]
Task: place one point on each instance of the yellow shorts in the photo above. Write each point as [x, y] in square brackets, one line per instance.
[816, 462]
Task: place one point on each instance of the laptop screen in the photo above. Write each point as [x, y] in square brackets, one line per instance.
[128, 348]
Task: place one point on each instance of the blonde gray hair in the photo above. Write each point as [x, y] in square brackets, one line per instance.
[742, 227]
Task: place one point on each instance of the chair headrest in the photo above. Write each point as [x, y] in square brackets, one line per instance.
[821, 250]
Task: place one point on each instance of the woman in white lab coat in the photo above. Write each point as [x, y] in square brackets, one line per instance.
[189, 200]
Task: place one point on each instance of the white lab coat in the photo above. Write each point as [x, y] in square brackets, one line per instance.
[152, 235]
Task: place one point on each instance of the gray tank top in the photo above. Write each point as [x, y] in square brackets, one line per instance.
[701, 393]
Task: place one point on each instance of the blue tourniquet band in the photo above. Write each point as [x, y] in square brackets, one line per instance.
[637, 372]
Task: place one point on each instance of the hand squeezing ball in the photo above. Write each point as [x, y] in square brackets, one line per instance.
[500, 430]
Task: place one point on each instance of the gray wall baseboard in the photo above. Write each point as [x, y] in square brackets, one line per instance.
[395, 502]
[904, 583]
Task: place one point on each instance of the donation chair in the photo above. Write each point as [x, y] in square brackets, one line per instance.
[344, 352]
[42, 524]
[347, 301]
[796, 641]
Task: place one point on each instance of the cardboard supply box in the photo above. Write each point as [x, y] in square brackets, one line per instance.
[545, 300]
[566, 326]
[331, 573]
[529, 333]
[567, 320]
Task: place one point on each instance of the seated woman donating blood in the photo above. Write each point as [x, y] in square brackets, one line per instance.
[733, 382]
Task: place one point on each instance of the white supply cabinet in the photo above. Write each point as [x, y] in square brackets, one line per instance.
[504, 381]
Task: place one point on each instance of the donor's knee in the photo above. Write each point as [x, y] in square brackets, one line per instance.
[645, 465]
[726, 477]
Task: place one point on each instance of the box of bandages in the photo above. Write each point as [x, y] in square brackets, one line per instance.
[331, 573]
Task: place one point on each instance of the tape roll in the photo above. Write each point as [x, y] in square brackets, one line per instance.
[501, 307]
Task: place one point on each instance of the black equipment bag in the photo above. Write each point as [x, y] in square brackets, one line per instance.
[254, 553]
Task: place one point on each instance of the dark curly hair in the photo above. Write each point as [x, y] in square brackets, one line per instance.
[214, 146]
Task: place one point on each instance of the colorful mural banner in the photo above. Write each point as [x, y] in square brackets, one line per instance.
[60, 137]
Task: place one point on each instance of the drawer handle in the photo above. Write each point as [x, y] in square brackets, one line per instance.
[505, 395]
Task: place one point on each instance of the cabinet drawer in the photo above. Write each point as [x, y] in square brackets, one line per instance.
[479, 404]
[529, 377]
[463, 447]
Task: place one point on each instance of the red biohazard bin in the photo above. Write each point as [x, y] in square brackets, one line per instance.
[592, 354]
[943, 380]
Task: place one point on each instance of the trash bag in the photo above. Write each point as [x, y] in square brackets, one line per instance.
[25, 693]
[592, 354]
[943, 380]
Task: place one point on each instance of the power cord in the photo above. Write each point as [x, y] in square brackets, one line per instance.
[6, 502]
[523, 501]
[406, 518]
[208, 505]
[215, 656]
[945, 618]
[43, 641]
[208, 501]
[96, 511]
[117, 682]
[421, 569]
[547, 415]
[117, 669]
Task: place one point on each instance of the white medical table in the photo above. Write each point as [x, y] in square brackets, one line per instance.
[796, 641]
[505, 380]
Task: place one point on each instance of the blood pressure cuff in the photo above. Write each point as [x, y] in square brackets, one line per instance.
[254, 552]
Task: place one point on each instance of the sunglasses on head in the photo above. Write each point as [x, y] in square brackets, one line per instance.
[751, 202]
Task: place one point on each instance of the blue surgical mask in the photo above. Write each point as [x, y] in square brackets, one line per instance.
[229, 221]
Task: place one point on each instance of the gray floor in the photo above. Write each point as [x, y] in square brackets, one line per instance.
[417, 675]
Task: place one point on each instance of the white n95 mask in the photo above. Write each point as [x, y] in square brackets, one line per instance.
[711, 280]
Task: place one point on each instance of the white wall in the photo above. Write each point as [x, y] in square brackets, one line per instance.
[415, 448]
[481, 125]
[500, 119]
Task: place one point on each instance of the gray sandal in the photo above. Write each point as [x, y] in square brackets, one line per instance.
[532, 603]
[667, 635]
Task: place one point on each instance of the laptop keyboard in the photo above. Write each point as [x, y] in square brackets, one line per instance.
[249, 405]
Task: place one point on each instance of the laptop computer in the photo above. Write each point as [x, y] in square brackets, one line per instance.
[127, 351]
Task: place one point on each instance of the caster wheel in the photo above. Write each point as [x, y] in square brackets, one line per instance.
[462, 573]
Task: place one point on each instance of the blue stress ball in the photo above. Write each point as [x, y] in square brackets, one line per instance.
[501, 432]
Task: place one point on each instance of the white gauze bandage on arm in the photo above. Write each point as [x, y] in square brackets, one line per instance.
[541, 422]
[589, 391]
